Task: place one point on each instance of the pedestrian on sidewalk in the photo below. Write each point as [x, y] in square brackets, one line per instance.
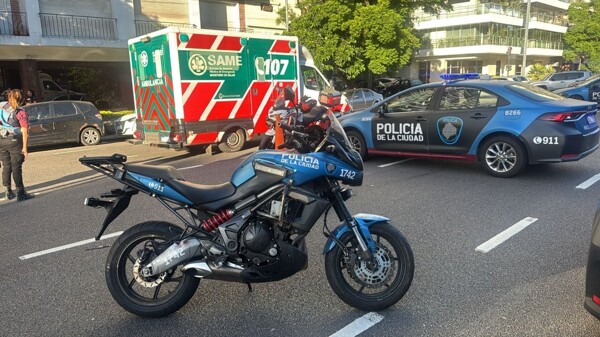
[14, 134]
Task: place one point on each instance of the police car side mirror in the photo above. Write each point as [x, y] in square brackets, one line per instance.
[382, 110]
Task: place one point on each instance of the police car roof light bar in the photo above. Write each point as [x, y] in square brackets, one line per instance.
[455, 77]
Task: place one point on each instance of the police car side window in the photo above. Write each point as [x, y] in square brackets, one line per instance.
[64, 109]
[414, 100]
[459, 98]
[39, 112]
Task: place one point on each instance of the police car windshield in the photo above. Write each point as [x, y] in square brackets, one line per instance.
[534, 93]
[586, 81]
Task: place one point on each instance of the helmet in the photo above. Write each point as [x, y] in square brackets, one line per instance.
[307, 103]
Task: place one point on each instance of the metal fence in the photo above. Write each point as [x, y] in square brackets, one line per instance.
[143, 27]
[13, 23]
[82, 27]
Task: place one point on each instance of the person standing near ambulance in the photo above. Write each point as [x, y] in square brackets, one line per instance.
[14, 133]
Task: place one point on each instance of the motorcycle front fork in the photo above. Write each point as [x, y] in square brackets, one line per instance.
[344, 214]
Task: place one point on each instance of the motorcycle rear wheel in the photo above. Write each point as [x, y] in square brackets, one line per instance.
[366, 289]
[156, 296]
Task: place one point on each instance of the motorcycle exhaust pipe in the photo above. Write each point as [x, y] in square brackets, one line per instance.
[225, 272]
[175, 254]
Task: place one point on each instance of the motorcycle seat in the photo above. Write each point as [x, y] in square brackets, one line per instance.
[202, 194]
[196, 193]
[163, 172]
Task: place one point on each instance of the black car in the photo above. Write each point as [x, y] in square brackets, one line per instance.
[64, 122]
[592, 279]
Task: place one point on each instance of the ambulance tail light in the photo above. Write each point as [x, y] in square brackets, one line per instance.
[176, 138]
[562, 116]
[137, 134]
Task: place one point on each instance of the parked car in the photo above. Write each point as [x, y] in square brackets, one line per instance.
[362, 98]
[388, 86]
[516, 78]
[123, 126]
[561, 80]
[586, 90]
[592, 276]
[64, 122]
[503, 124]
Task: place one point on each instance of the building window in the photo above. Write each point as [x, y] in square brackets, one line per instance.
[464, 66]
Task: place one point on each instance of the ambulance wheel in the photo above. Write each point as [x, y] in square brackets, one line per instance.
[232, 141]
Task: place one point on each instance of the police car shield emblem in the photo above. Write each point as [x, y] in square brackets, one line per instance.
[449, 129]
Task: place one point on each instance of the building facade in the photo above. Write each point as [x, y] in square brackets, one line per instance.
[488, 37]
[51, 35]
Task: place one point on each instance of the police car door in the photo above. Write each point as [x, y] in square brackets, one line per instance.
[595, 91]
[462, 113]
[402, 125]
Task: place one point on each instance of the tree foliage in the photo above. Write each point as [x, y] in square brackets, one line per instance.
[350, 37]
[583, 36]
[538, 72]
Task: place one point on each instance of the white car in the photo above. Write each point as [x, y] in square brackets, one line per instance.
[125, 125]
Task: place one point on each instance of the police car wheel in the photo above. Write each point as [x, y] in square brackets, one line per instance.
[232, 141]
[358, 143]
[90, 136]
[502, 156]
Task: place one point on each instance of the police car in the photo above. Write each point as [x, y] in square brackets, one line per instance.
[505, 125]
[586, 90]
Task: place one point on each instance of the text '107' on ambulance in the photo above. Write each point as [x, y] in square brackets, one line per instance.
[196, 87]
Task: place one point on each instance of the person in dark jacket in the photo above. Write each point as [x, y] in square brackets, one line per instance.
[14, 133]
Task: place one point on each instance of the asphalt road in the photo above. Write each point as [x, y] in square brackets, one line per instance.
[532, 284]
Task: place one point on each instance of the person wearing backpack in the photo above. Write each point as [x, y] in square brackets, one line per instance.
[14, 133]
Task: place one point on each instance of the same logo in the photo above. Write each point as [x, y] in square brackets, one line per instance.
[197, 64]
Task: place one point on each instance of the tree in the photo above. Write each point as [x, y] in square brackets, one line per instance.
[349, 37]
[582, 39]
[538, 72]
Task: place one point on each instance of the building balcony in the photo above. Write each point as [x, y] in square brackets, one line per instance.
[143, 27]
[78, 27]
[488, 44]
[13, 23]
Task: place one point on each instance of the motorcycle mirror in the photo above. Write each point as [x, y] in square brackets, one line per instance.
[289, 94]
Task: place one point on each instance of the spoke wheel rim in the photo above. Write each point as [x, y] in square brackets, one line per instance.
[355, 143]
[501, 157]
[374, 284]
[146, 291]
[233, 139]
[90, 136]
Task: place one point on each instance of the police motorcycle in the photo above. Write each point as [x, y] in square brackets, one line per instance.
[251, 229]
[304, 116]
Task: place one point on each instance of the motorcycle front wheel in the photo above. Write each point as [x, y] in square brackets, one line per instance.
[371, 288]
[155, 296]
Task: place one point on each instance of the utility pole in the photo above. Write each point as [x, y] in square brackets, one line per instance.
[524, 49]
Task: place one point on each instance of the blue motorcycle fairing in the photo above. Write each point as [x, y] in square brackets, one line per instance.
[302, 167]
[364, 221]
[156, 187]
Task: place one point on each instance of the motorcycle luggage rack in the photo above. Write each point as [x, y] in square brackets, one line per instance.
[106, 165]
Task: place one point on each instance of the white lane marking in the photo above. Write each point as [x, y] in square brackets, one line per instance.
[589, 182]
[71, 245]
[189, 167]
[396, 162]
[359, 325]
[505, 235]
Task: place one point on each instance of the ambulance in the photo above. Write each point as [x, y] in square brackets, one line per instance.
[196, 87]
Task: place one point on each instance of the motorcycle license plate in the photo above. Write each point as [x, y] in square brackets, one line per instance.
[591, 119]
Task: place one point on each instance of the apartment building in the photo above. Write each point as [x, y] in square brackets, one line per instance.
[488, 37]
[52, 35]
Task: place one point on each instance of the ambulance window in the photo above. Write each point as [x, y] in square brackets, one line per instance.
[312, 79]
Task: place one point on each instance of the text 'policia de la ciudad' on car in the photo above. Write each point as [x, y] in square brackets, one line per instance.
[505, 125]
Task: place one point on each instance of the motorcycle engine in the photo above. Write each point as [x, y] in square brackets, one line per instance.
[257, 243]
